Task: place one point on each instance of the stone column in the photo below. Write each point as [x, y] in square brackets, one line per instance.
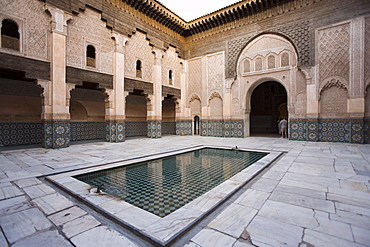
[154, 116]
[115, 105]
[56, 117]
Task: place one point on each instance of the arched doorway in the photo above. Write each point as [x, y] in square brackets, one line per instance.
[168, 116]
[268, 106]
[196, 125]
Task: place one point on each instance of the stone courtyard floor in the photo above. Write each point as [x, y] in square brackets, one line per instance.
[316, 194]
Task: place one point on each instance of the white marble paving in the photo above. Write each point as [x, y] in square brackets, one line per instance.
[233, 220]
[317, 194]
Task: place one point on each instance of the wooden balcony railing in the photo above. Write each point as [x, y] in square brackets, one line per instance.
[9, 42]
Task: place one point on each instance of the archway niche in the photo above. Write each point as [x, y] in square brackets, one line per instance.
[136, 114]
[87, 112]
[268, 106]
[168, 116]
[20, 111]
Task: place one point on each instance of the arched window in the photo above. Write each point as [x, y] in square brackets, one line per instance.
[170, 77]
[9, 35]
[247, 66]
[271, 62]
[138, 69]
[90, 56]
[258, 64]
[284, 59]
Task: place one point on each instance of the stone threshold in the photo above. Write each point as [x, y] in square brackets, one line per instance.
[154, 229]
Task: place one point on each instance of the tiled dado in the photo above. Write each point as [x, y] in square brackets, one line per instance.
[56, 133]
[222, 128]
[115, 131]
[329, 130]
[13, 134]
[183, 127]
[367, 130]
[87, 130]
[154, 129]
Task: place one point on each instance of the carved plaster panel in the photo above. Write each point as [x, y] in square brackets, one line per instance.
[334, 52]
[80, 35]
[32, 23]
[195, 76]
[138, 48]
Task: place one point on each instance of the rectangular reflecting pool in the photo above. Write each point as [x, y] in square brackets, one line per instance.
[162, 195]
[164, 185]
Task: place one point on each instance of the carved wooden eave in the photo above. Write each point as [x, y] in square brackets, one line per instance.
[157, 11]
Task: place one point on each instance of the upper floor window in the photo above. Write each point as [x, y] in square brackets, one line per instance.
[284, 59]
[271, 62]
[170, 80]
[258, 64]
[138, 69]
[9, 34]
[90, 56]
[247, 66]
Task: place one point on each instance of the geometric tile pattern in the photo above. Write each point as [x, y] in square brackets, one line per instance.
[115, 131]
[222, 128]
[154, 129]
[56, 133]
[183, 127]
[168, 128]
[87, 130]
[12, 134]
[367, 130]
[164, 185]
[136, 129]
[330, 130]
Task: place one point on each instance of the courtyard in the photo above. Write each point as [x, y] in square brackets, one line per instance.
[314, 194]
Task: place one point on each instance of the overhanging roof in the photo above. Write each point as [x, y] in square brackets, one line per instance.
[157, 11]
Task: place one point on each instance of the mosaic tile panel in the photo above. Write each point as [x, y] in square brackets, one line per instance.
[298, 129]
[367, 130]
[164, 185]
[13, 134]
[168, 128]
[56, 134]
[115, 131]
[221, 128]
[357, 131]
[184, 127]
[87, 130]
[332, 130]
[154, 129]
[136, 129]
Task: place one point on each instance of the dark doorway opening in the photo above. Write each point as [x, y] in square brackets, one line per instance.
[268, 107]
[196, 125]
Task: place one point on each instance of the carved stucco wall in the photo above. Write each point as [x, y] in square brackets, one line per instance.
[298, 33]
[80, 35]
[138, 48]
[367, 51]
[171, 61]
[194, 77]
[33, 23]
[215, 75]
[333, 51]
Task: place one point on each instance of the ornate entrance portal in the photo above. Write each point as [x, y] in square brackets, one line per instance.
[268, 106]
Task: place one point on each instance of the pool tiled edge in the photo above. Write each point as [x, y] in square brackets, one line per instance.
[160, 231]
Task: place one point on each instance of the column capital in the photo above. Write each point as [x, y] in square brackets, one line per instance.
[120, 41]
[59, 19]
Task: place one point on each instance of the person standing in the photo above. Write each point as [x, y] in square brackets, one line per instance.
[283, 127]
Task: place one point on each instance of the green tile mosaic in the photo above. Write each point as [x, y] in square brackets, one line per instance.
[164, 185]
